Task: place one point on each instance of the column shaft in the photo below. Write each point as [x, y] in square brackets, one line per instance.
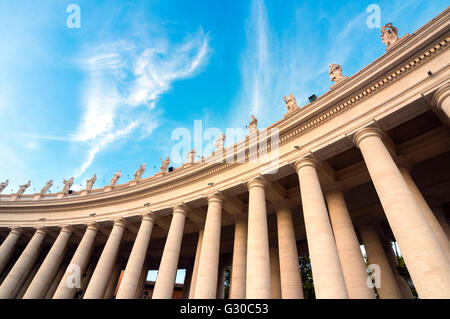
[206, 284]
[275, 280]
[239, 266]
[165, 280]
[325, 264]
[7, 247]
[77, 266]
[23, 265]
[196, 262]
[258, 256]
[352, 261]
[405, 290]
[102, 273]
[291, 281]
[48, 270]
[426, 262]
[130, 279]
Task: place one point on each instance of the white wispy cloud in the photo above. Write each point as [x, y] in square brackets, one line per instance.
[124, 82]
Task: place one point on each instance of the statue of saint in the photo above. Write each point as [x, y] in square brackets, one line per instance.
[335, 73]
[291, 104]
[220, 143]
[3, 185]
[389, 34]
[164, 164]
[191, 156]
[139, 172]
[47, 186]
[90, 182]
[67, 185]
[253, 126]
[22, 188]
[115, 178]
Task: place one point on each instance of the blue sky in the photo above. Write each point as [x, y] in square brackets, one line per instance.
[107, 96]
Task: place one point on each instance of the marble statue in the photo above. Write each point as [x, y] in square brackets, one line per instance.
[165, 164]
[67, 184]
[139, 172]
[389, 34]
[90, 182]
[3, 185]
[220, 142]
[191, 156]
[22, 188]
[47, 186]
[291, 104]
[253, 126]
[115, 178]
[335, 73]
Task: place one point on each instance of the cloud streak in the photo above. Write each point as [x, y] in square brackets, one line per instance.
[124, 83]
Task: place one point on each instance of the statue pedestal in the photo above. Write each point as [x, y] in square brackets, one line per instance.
[37, 196]
[13, 197]
[338, 83]
[84, 192]
[60, 195]
[291, 111]
[133, 182]
[160, 174]
[399, 40]
[108, 188]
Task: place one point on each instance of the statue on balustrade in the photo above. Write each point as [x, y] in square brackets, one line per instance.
[22, 188]
[139, 172]
[115, 178]
[67, 185]
[335, 73]
[164, 164]
[253, 126]
[47, 186]
[191, 156]
[291, 104]
[389, 34]
[3, 185]
[220, 143]
[90, 182]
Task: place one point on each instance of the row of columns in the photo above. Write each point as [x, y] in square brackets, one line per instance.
[337, 264]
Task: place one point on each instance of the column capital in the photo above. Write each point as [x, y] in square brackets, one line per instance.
[366, 132]
[149, 216]
[66, 228]
[16, 230]
[307, 161]
[120, 222]
[41, 229]
[180, 208]
[256, 182]
[92, 226]
[335, 187]
[282, 204]
[215, 197]
[242, 218]
[440, 95]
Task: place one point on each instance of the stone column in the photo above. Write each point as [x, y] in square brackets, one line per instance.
[221, 281]
[291, 281]
[258, 256]
[59, 275]
[8, 245]
[239, 264]
[114, 281]
[142, 280]
[49, 268]
[405, 290]
[130, 279]
[441, 101]
[375, 254]
[431, 219]
[275, 281]
[325, 264]
[165, 280]
[196, 262]
[352, 261]
[427, 263]
[105, 265]
[206, 284]
[77, 266]
[440, 214]
[23, 265]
